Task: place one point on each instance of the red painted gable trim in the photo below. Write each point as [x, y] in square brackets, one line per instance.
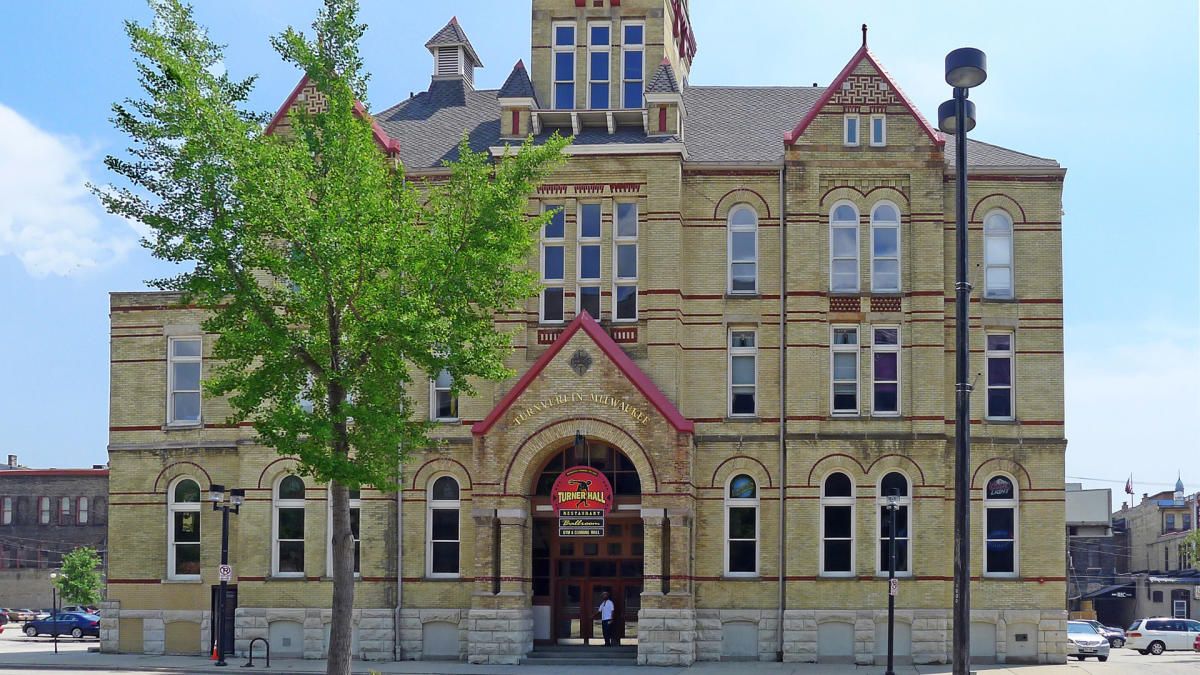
[614, 353]
[389, 144]
[836, 85]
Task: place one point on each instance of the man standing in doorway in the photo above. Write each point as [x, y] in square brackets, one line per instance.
[605, 610]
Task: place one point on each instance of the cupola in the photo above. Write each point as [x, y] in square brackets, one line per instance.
[664, 103]
[453, 56]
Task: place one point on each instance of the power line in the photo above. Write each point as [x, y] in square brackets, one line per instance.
[1121, 482]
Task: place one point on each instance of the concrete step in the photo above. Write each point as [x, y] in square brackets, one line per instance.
[577, 661]
[580, 655]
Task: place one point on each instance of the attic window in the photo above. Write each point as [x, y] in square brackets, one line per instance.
[850, 130]
[878, 130]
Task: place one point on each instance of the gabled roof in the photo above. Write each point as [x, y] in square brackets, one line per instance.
[452, 35]
[615, 354]
[518, 84]
[836, 86]
[663, 81]
[387, 143]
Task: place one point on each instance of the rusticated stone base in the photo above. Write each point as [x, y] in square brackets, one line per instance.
[499, 636]
[667, 637]
[757, 641]
[373, 629]
[411, 636]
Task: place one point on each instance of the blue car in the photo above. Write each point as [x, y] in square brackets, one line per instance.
[75, 624]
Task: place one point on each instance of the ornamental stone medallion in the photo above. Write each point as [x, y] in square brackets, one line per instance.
[581, 362]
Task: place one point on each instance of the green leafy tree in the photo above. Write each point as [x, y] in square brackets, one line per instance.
[333, 283]
[78, 579]
[1191, 549]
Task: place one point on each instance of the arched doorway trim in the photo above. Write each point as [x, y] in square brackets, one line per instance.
[529, 457]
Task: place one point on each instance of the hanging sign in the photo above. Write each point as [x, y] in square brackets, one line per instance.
[581, 497]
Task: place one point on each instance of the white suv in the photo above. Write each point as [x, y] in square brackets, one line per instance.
[1155, 636]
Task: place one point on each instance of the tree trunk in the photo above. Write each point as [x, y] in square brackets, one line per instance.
[343, 583]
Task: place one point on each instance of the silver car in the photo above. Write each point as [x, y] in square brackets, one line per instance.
[1083, 640]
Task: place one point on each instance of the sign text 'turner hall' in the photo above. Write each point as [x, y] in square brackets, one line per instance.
[526, 413]
[582, 497]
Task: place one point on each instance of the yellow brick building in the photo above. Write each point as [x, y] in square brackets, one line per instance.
[770, 272]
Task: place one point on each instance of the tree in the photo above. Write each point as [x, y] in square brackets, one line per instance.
[332, 282]
[1191, 549]
[78, 581]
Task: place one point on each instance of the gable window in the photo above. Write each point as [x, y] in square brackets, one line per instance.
[1000, 523]
[625, 245]
[743, 250]
[443, 403]
[633, 67]
[997, 255]
[588, 273]
[183, 375]
[6, 511]
[885, 371]
[843, 354]
[837, 526]
[843, 244]
[441, 524]
[288, 549]
[743, 373]
[355, 531]
[81, 511]
[878, 130]
[553, 242]
[599, 53]
[999, 357]
[885, 249]
[741, 527]
[894, 483]
[43, 510]
[850, 130]
[564, 66]
[183, 530]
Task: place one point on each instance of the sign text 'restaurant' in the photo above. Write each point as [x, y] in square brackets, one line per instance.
[638, 414]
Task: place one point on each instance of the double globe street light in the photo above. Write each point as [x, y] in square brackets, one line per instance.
[216, 495]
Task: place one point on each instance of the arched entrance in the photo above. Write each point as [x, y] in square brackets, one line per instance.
[570, 573]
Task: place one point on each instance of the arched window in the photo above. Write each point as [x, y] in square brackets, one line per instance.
[843, 249]
[743, 249]
[355, 520]
[895, 484]
[837, 525]
[441, 524]
[741, 527]
[1000, 527]
[288, 531]
[885, 248]
[997, 255]
[183, 530]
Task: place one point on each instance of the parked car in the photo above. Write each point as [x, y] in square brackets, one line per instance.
[1195, 645]
[80, 608]
[75, 624]
[4, 611]
[1161, 634]
[1116, 636]
[39, 614]
[1084, 640]
[26, 614]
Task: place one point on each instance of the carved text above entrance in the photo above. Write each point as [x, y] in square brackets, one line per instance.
[639, 415]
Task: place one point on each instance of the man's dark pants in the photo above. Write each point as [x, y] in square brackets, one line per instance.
[608, 638]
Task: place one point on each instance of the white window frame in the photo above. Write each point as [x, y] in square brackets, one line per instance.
[741, 352]
[1011, 355]
[595, 49]
[278, 504]
[743, 503]
[731, 229]
[560, 242]
[844, 225]
[846, 126]
[1007, 239]
[64, 511]
[172, 359]
[835, 349]
[82, 510]
[882, 140]
[838, 501]
[556, 77]
[441, 504]
[626, 49]
[355, 504]
[44, 510]
[6, 511]
[619, 281]
[1015, 505]
[881, 544]
[174, 507]
[581, 281]
[880, 225]
[877, 348]
[434, 390]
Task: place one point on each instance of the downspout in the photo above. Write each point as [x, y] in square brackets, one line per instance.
[782, 401]
[396, 655]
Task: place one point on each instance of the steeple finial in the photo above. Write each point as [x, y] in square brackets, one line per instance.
[864, 29]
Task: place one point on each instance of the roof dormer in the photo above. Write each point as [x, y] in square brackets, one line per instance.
[453, 55]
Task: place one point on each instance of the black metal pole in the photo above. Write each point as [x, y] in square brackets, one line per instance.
[54, 606]
[221, 597]
[891, 596]
[962, 401]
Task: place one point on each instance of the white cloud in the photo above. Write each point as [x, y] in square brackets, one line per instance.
[48, 219]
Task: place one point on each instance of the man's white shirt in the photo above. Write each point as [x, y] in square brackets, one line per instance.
[606, 610]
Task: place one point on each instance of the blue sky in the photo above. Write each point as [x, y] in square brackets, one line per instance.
[1110, 93]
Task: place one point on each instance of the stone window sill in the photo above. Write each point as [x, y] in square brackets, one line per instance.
[741, 577]
[746, 296]
[183, 581]
[742, 418]
[441, 579]
[286, 578]
[1001, 422]
[180, 426]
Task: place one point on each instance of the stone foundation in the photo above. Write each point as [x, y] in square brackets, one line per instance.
[713, 638]
[410, 633]
[667, 637]
[499, 636]
[373, 630]
[154, 628]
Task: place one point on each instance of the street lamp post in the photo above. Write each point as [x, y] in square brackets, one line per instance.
[216, 494]
[54, 606]
[893, 503]
[965, 68]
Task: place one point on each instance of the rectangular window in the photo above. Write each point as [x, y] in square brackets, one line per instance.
[81, 511]
[552, 263]
[902, 539]
[997, 255]
[742, 556]
[289, 529]
[999, 357]
[183, 374]
[443, 402]
[599, 55]
[885, 249]
[633, 67]
[850, 128]
[185, 543]
[587, 293]
[64, 511]
[564, 66]
[743, 373]
[443, 542]
[1000, 527]
[844, 365]
[355, 531]
[743, 250]
[6, 511]
[878, 130]
[843, 234]
[43, 510]
[625, 263]
[1170, 522]
[885, 371]
[837, 522]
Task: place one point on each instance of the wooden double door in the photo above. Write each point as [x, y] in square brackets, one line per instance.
[576, 610]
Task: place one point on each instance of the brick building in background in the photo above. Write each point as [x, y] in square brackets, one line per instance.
[770, 272]
[45, 514]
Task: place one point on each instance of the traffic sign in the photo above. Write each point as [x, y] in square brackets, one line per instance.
[893, 586]
[225, 572]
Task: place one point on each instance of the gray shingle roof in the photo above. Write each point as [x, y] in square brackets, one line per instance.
[452, 35]
[517, 85]
[980, 154]
[663, 81]
[430, 124]
[742, 124]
